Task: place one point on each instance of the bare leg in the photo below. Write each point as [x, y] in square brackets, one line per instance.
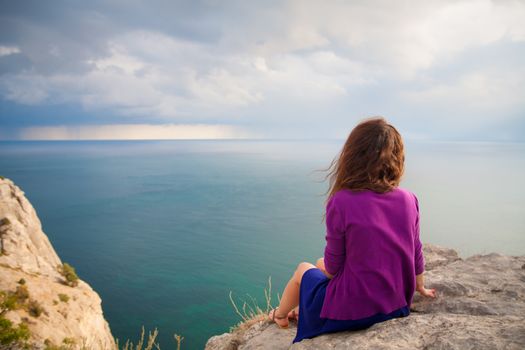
[290, 297]
[294, 314]
[320, 263]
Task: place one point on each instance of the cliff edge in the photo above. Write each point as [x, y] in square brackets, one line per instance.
[480, 305]
[42, 302]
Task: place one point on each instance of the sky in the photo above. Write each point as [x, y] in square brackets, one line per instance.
[437, 70]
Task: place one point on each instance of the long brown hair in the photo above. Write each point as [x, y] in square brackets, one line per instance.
[372, 158]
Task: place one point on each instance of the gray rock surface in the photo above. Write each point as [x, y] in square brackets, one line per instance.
[480, 305]
[25, 252]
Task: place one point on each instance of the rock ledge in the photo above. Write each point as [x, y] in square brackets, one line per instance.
[480, 305]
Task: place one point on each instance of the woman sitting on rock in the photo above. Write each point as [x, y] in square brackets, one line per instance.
[373, 259]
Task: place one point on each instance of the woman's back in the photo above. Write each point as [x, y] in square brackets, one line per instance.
[373, 250]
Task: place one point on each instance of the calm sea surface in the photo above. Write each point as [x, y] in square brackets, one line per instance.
[164, 230]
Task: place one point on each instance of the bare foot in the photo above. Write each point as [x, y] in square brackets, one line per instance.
[281, 321]
[294, 314]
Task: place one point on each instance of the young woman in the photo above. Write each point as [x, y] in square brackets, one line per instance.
[373, 259]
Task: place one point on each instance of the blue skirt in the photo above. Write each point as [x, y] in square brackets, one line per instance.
[311, 298]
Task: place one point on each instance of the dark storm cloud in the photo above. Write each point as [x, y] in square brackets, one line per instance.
[59, 36]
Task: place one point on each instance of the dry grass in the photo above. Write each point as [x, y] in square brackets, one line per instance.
[250, 312]
[149, 344]
[178, 339]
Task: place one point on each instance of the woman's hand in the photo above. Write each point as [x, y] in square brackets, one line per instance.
[420, 287]
[430, 293]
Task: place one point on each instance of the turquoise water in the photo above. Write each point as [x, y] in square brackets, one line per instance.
[164, 230]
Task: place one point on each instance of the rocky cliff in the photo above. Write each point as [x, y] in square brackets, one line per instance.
[480, 305]
[35, 294]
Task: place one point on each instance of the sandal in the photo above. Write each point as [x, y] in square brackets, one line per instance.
[274, 317]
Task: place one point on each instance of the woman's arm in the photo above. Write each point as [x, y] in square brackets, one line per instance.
[335, 250]
[419, 261]
[419, 258]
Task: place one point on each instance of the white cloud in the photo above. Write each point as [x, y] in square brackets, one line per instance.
[8, 50]
[457, 26]
[148, 73]
[401, 38]
[475, 95]
[134, 132]
[118, 61]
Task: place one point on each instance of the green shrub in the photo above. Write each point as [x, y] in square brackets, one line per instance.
[67, 344]
[69, 274]
[1, 177]
[22, 294]
[21, 281]
[10, 335]
[9, 300]
[51, 346]
[34, 308]
[13, 300]
[69, 341]
[63, 297]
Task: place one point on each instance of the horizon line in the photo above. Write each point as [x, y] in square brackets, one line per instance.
[414, 140]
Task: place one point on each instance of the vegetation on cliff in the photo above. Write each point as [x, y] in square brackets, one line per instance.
[69, 274]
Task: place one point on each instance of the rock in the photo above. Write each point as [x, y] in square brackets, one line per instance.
[480, 305]
[218, 342]
[447, 331]
[22, 242]
[437, 256]
[26, 253]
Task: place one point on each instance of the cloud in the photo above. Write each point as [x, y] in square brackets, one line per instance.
[8, 50]
[487, 93]
[406, 37]
[267, 64]
[140, 76]
[133, 132]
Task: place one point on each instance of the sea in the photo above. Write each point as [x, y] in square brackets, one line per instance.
[167, 231]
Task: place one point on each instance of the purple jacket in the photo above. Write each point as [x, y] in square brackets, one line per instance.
[374, 252]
